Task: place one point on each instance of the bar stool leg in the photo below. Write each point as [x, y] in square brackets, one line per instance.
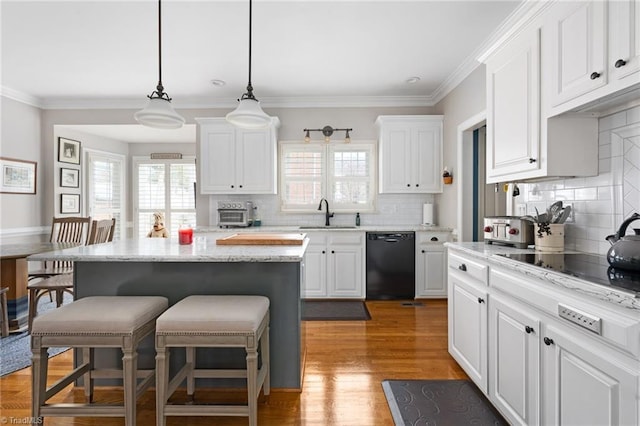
[87, 357]
[5, 314]
[252, 388]
[129, 368]
[266, 362]
[162, 380]
[191, 363]
[40, 360]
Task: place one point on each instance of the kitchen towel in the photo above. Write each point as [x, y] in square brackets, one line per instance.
[427, 214]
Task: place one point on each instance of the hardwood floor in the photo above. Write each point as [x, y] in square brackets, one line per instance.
[345, 364]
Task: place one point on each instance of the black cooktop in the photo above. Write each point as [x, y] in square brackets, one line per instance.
[589, 267]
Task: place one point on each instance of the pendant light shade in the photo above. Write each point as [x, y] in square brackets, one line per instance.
[159, 112]
[249, 114]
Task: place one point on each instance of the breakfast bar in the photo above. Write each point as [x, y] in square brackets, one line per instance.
[163, 267]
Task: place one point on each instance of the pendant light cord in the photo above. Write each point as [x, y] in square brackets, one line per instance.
[250, 15]
[159, 43]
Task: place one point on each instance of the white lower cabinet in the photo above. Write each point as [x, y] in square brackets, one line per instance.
[514, 361]
[467, 312]
[536, 367]
[334, 265]
[431, 264]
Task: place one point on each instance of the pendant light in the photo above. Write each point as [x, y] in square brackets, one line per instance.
[249, 114]
[159, 112]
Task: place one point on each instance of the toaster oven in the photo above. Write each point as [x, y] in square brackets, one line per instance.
[509, 230]
[235, 214]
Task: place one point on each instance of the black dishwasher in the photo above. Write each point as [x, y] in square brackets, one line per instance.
[391, 265]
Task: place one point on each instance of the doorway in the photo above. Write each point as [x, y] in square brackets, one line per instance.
[476, 199]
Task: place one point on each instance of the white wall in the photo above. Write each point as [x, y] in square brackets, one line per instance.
[20, 138]
[601, 202]
[465, 101]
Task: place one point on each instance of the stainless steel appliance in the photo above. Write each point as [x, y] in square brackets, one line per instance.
[509, 230]
[391, 265]
[235, 214]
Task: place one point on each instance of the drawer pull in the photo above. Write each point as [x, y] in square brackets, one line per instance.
[462, 267]
[532, 160]
[480, 300]
[528, 329]
[434, 239]
[594, 75]
[620, 63]
[548, 341]
[424, 251]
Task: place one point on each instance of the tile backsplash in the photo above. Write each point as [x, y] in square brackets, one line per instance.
[600, 203]
[391, 209]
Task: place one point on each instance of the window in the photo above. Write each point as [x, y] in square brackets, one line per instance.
[343, 174]
[166, 186]
[105, 185]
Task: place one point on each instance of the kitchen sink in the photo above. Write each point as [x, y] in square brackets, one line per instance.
[327, 227]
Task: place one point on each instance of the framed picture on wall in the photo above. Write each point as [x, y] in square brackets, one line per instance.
[69, 203]
[18, 176]
[69, 178]
[68, 151]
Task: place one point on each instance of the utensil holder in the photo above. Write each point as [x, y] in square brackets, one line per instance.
[550, 243]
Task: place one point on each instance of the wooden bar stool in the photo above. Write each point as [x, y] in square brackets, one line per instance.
[210, 322]
[94, 322]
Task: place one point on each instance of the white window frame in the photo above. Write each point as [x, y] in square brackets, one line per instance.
[136, 161]
[327, 178]
[122, 160]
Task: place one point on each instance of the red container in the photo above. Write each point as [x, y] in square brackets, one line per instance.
[185, 236]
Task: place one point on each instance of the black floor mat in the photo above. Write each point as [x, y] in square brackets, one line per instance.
[334, 310]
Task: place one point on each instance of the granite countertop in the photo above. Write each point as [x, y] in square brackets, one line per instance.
[489, 253]
[203, 249]
[340, 228]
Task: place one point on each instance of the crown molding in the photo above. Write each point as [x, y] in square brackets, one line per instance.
[19, 96]
[524, 14]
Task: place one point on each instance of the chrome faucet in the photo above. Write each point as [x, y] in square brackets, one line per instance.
[327, 214]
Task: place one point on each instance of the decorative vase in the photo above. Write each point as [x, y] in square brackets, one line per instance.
[448, 180]
[550, 243]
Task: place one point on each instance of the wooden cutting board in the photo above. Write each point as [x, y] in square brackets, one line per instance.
[266, 239]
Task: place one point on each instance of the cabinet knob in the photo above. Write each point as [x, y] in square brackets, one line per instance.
[408, 185]
[240, 186]
[434, 238]
[462, 267]
[547, 341]
[528, 329]
[323, 252]
[594, 75]
[332, 251]
[620, 63]
[232, 186]
[480, 300]
[423, 251]
[532, 160]
[417, 185]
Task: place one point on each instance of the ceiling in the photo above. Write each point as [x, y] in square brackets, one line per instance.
[104, 54]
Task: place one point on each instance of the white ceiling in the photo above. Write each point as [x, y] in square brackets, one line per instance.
[70, 54]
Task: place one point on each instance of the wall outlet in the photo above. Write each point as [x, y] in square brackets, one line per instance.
[521, 209]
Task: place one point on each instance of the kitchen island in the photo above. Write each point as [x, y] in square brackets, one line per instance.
[162, 267]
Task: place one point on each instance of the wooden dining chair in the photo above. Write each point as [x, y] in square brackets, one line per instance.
[63, 230]
[101, 231]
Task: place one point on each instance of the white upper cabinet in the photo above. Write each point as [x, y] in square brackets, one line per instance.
[592, 51]
[513, 108]
[624, 40]
[578, 52]
[237, 161]
[410, 154]
[523, 142]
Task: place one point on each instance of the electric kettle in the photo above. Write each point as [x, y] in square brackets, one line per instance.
[624, 252]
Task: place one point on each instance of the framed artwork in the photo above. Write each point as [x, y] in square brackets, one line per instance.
[69, 203]
[69, 178]
[18, 176]
[68, 151]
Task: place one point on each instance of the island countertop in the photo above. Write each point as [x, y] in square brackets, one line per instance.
[203, 249]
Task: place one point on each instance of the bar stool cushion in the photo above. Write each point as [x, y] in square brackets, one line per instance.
[198, 314]
[88, 316]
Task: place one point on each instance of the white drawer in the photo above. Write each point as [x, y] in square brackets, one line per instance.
[346, 238]
[430, 237]
[618, 328]
[469, 267]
